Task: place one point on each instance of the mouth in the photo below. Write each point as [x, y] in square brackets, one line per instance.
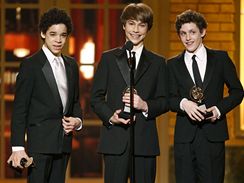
[57, 47]
[189, 43]
[135, 36]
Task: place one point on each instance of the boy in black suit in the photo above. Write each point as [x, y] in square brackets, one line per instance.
[46, 104]
[196, 78]
[107, 100]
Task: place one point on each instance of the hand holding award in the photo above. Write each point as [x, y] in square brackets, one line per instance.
[125, 113]
[24, 162]
[196, 95]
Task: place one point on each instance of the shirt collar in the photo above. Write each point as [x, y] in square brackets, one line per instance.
[50, 56]
[200, 53]
[138, 51]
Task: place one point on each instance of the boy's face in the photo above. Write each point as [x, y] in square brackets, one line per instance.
[135, 31]
[191, 36]
[55, 38]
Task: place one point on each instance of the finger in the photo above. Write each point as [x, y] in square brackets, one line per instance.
[198, 116]
[124, 121]
[9, 160]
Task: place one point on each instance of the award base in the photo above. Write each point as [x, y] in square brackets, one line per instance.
[124, 115]
[207, 114]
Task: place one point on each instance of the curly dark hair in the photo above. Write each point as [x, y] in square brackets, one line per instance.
[140, 12]
[189, 16]
[55, 16]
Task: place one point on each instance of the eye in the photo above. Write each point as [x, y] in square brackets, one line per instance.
[52, 34]
[143, 25]
[182, 34]
[192, 32]
[130, 22]
[64, 35]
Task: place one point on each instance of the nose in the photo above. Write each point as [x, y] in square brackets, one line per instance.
[58, 38]
[188, 36]
[136, 28]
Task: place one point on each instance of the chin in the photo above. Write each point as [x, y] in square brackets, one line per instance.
[191, 50]
[57, 53]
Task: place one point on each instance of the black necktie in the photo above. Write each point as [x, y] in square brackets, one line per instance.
[196, 73]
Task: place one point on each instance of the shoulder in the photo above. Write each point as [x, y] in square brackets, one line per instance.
[211, 50]
[34, 60]
[216, 52]
[154, 57]
[175, 59]
[70, 59]
[110, 56]
[114, 51]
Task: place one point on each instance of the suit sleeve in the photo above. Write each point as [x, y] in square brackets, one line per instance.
[77, 112]
[235, 89]
[174, 94]
[99, 91]
[159, 103]
[24, 86]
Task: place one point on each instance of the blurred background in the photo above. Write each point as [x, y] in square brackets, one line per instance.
[97, 28]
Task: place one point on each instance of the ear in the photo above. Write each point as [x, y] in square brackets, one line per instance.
[123, 27]
[43, 36]
[203, 33]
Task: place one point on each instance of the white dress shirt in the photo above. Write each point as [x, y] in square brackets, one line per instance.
[138, 52]
[50, 58]
[201, 58]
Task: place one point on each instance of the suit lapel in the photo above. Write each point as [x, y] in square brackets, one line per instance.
[48, 73]
[69, 79]
[183, 71]
[143, 65]
[122, 63]
[209, 68]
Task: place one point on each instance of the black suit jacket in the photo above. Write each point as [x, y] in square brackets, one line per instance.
[110, 79]
[219, 71]
[38, 107]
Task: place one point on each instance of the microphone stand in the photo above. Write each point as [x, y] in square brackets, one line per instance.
[132, 62]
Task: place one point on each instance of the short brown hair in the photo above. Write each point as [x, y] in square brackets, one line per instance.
[139, 11]
[189, 16]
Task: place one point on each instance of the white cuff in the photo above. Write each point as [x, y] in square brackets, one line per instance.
[181, 107]
[79, 127]
[145, 114]
[17, 148]
[219, 114]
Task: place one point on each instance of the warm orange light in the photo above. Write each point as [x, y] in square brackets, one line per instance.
[21, 52]
[71, 45]
[87, 59]
[21, 40]
[87, 71]
[87, 53]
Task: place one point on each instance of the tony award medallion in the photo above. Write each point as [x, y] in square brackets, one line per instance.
[125, 113]
[196, 95]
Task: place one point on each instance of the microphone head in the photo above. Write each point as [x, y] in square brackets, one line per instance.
[128, 45]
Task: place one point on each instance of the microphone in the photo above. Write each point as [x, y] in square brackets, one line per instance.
[128, 45]
[131, 60]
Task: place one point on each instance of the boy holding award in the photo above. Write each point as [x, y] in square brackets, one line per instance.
[196, 84]
[111, 98]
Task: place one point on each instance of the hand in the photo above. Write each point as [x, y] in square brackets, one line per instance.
[215, 115]
[70, 124]
[192, 110]
[139, 104]
[15, 158]
[117, 120]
